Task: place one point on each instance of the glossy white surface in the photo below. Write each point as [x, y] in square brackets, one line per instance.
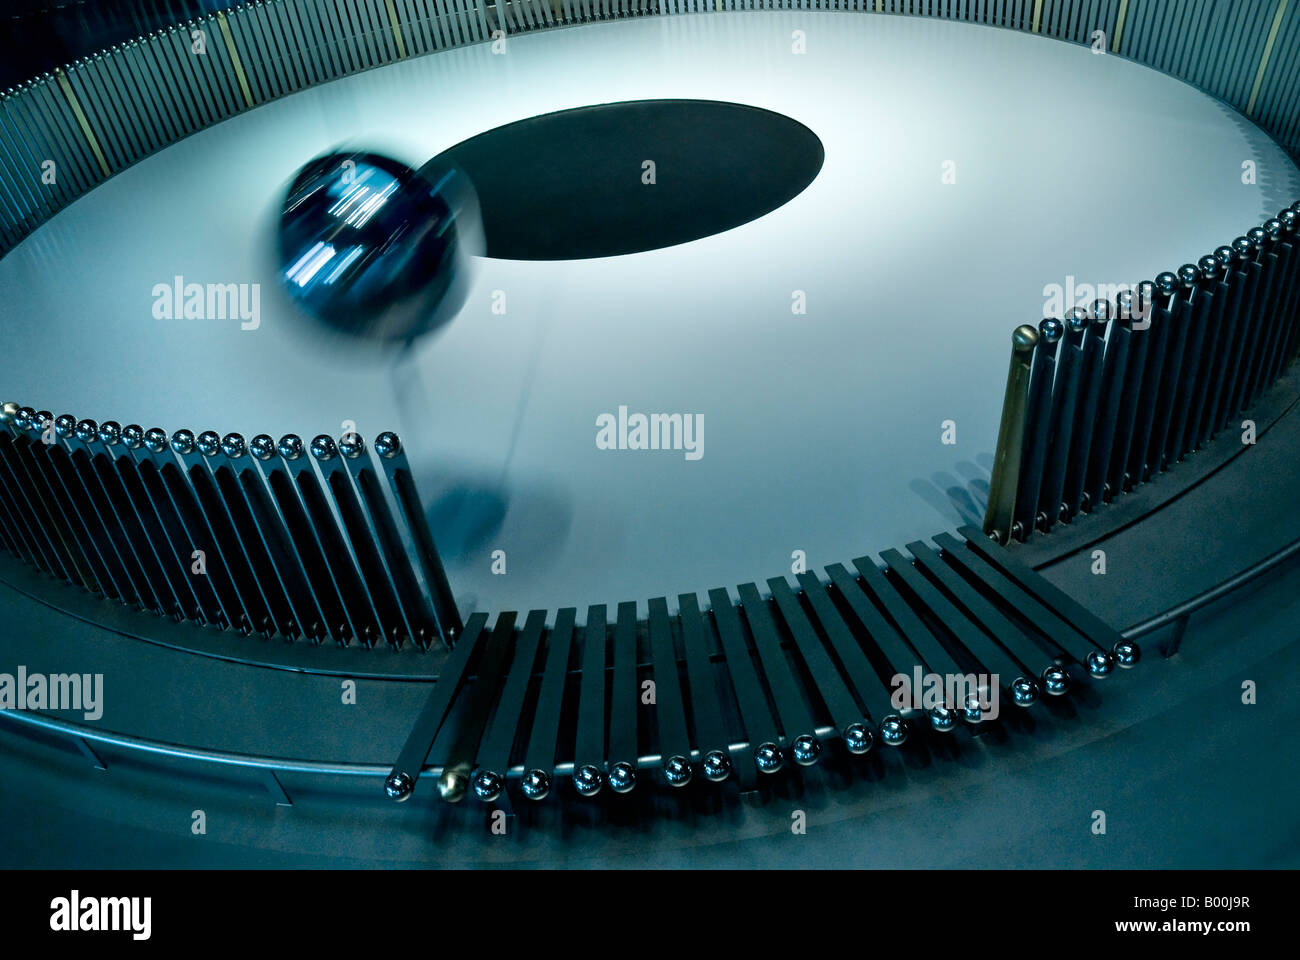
[822, 431]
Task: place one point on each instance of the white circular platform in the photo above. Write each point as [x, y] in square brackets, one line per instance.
[822, 431]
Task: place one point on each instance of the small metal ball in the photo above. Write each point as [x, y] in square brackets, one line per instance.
[23, 418]
[1225, 255]
[1243, 249]
[857, 738]
[894, 730]
[1124, 304]
[183, 441]
[1209, 267]
[399, 786]
[1024, 692]
[768, 758]
[8, 411]
[1127, 653]
[133, 436]
[1167, 283]
[87, 430]
[262, 446]
[110, 432]
[716, 766]
[1051, 331]
[805, 750]
[1296, 206]
[351, 445]
[232, 445]
[290, 446]
[587, 780]
[1188, 274]
[1100, 311]
[1076, 320]
[1023, 338]
[536, 784]
[972, 709]
[1055, 680]
[1258, 236]
[387, 445]
[452, 786]
[1100, 664]
[487, 786]
[322, 447]
[677, 771]
[943, 719]
[209, 443]
[1274, 228]
[1289, 218]
[155, 439]
[42, 421]
[622, 778]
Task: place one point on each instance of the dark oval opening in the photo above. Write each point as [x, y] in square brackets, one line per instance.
[571, 185]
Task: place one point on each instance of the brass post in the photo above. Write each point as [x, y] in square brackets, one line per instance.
[1011, 437]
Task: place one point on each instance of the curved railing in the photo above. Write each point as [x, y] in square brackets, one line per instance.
[330, 541]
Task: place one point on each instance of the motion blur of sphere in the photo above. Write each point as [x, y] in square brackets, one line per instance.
[375, 249]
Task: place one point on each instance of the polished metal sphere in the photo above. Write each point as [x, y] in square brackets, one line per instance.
[716, 766]
[1124, 304]
[1225, 255]
[133, 436]
[23, 417]
[42, 421]
[1209, 267]
[1100, 310]
[805, 750]
[65, 425]
[375, 249]
[1273, 227]
[110, 432]
[1055, 680]
[155, 439]
[1167, 283]
[768, 758]
[677, 771]
[262, 446]
[452, 785]
[399, 786]
[943, 719]
[232, 445]
[857, 737]
[351, 445]
[8, 411]
[1289, 218]
[1243, 248]
[387, 445]
[622, 777]
[894, 730]
[322, 447]
[536, 785]
[1258, 236]
[1051, 330]
[1127, 653]
[1100, 664]
[972, 709]
[487, 786]
[587, 780]
[183, 442]
[1076, 320]
[87, 430]
[209, 443]
[1188, 274]
[1024, 692]
[290, 446]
